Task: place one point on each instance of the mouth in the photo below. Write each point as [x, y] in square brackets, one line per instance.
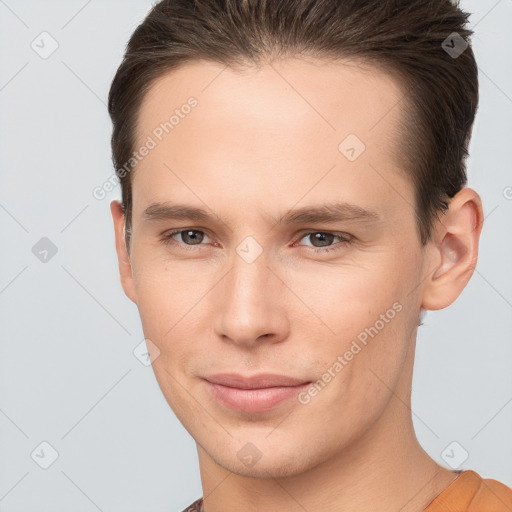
[254, 394]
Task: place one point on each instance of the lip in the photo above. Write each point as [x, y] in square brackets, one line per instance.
[257, 393]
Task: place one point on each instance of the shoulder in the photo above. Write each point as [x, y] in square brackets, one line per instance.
[197, 506]
[493, 495]
[469, 492]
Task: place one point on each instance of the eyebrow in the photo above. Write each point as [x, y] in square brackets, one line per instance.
[332, 212]
[168, 211]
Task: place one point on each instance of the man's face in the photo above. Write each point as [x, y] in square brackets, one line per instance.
[252, 289]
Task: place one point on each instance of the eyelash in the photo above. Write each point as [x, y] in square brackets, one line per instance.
[345, 239]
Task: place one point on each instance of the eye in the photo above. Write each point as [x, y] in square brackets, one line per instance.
[189, 237]
[325, 240]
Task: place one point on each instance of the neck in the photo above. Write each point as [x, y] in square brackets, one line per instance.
[385, 468]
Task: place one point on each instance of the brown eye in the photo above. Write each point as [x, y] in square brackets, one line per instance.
[191, 236]
[188, 237]
[322, 239]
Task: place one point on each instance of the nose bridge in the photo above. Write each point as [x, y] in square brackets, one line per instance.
[248, 308]
[248, 279]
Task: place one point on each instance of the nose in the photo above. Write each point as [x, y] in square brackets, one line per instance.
[250, 305]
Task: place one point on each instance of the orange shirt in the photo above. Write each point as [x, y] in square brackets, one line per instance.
[469, 492]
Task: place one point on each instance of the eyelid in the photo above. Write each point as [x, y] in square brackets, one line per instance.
[167, 237]
[345, 238]
[340, 234]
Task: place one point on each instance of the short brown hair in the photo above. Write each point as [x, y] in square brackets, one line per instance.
[405, 37]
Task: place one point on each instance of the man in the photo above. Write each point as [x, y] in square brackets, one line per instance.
[293, 182]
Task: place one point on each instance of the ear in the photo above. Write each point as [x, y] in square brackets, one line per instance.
[454, 250]
[123, 257]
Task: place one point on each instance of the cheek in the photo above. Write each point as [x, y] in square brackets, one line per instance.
[174, 307]
[372, 316]
[166, 293]
[351, 295]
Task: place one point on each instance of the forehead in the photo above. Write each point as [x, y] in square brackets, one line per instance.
[341, 95]
[268, 127]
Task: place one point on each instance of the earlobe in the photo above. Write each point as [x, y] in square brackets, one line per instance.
[123, 257]
[455, 250]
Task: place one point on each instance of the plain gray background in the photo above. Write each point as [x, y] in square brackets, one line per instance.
[68, 374]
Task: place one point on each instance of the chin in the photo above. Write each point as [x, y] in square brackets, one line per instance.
[262, 469]
[268, 463]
